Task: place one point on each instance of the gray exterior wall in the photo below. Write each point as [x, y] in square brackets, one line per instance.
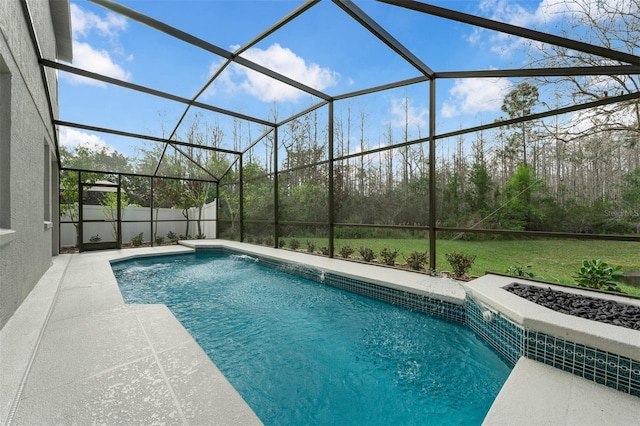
[28, 165]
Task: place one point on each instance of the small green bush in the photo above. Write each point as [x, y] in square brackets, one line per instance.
[460, 263]
[137, 240]
[346, 251]
[268, 241]
[171, 236]
[599, 275]
[325, 251]
[310, 246]
[416, 260]
[95, 239]
[388, 257]
[294, 244]
[520, 270]
[159, 240]
[259, 240]
[367, 254]
[282, 243]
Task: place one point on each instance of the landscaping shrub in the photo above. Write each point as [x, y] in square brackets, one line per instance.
[388, 257]
[171, 236]
[346, 251]
[137, 240]
[521, 271]
[310, 246]
[159, 240]
[367, 254]
[294, 244]
[95, 239]
[281, 243]
[460, 263]
[599, 275]
[416, 260]
[268, 241]
[325, 251]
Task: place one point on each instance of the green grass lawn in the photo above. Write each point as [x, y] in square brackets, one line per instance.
[550, 260]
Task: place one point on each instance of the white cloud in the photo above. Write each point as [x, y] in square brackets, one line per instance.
[402, 113]
[98, 61]
[448, 110]
[474, 95]
[83, 22]
[281, 60]
[73, 138]
[86, 55]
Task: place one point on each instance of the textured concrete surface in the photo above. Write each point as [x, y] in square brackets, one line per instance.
[538, 394]
[75, 353]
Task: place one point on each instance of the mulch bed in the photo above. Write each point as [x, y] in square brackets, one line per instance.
[601, 310]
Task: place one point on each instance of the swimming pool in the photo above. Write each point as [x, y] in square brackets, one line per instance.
[300, 352]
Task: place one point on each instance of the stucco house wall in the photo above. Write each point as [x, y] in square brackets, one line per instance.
[28, 165]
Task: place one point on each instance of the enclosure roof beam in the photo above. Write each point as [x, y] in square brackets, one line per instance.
[147, 90]
[301, 113]
[383, 87]
[544, 72]
[370, 24]
[140, 136]
[275, 27]
[515, 30]
[209, 47]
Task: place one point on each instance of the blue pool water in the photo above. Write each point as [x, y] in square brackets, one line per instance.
[301, 352]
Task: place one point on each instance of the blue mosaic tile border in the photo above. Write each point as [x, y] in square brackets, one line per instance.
[506, 337]
[413, 301]
[593, 364]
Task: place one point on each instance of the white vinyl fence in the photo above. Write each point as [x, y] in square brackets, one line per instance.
[168, 220]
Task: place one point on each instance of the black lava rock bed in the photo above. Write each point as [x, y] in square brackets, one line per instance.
[602, 310]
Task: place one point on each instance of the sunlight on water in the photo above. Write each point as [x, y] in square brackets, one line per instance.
[300, 352]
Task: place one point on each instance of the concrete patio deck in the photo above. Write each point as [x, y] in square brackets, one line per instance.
[75, 353]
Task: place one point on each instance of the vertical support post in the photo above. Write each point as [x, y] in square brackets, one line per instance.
[331, 216]
[80, 236]
[119, 216]
[432, 174]
[276, 190]
[153, 237]
[241, 197]
[217, 208]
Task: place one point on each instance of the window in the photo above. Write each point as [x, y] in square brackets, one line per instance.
[5, 146]
[46, 183]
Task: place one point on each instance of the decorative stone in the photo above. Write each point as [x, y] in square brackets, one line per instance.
[606, 311]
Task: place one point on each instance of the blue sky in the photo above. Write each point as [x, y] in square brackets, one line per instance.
[325, 49]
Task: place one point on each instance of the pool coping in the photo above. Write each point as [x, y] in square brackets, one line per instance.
[73, 315]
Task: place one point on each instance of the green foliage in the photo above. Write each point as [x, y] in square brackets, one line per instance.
[95, 238]
[159, 240]
[325, 251]
[518, 209]
[137, 240]
[460, 263]
[282, 243]
[388, 257]
[310, 246]
[346, 251]
[259, 240]
[519, 270]
[294, 244]
[599, 275]
[367, 254]
[416, 260]
[268, 241]
[109, 203]
[171, 236]
[201, 237]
